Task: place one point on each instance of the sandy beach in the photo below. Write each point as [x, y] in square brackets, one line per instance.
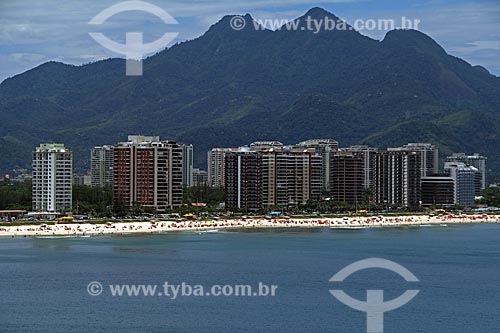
[118, 228]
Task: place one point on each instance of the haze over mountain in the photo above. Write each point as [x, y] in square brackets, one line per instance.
[229, 88]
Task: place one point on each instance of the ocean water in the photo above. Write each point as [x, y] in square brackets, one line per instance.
[43, 282]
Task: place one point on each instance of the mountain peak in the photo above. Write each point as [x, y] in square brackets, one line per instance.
[319, 13]
[412, 38]
[234, 23]
[236, 86]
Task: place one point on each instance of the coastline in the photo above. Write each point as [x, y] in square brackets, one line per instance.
[150, 227]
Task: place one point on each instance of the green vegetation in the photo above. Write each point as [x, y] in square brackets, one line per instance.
[204, 194]
[15, 195]
[491, 197]
[96, 201]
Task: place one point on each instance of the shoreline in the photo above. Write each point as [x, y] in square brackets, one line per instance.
[152, 227]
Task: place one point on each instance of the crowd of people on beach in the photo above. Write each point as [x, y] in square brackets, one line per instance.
[166, 226]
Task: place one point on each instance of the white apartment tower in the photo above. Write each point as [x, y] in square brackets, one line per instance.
[216, 166]
[101, 166]
[52, 178]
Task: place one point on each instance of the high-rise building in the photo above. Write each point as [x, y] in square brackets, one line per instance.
[291, 178]
[438, 190]
[284, 177]
[476, 160]
[52, 178]
[215, 161]
[327, 148]
[101, 166]
[467, 181]
[243, 180]
[368, 155]
[148, 173]
[347, 178]
[397, 178]
[429, 156]
[187, 165]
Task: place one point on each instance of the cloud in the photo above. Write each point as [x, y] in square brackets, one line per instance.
[466, 29]
[479, 45]
[470, 31]
[27, 57]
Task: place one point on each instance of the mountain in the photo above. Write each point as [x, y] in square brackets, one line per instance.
[229, 88]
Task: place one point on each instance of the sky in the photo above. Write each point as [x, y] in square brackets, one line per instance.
[36, 31]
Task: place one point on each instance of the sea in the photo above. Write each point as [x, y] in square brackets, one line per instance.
[54, 284]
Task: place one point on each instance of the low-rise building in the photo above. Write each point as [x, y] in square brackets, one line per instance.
[438, 191]
[200, 177]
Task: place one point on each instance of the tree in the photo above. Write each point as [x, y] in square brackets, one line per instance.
[206, 194]
[15, 195]
[491, 197]
[92, 200]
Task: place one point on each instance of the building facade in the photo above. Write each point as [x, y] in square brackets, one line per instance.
[291, 177]
[187, 165]
[428, 156]
[52, 179]
[476, 160]
[200, 177]
[101, 166]
[243, 180]
[438, 191]
[148, 173]
[347, 178]
[327, 149]
[467, 180]
[368, 155]
[285, 177]
[216, 166]
[82, 180]
[397, 178]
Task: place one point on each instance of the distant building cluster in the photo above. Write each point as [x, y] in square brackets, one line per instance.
[142, 171]
[149, 172]
[267, 174]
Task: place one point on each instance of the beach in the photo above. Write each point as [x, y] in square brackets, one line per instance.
[159, 226]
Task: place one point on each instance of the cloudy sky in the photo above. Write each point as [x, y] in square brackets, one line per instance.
[35, 31]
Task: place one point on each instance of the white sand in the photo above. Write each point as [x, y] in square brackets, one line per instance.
[86, 229]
